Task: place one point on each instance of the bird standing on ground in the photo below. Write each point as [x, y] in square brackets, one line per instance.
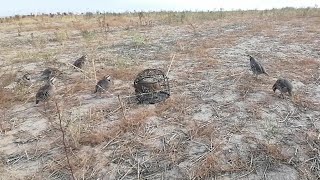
[46, 91]
[103, 85]
[256, 67]
[49, 73]
[25, 80]
[80, 62]
[283, 86]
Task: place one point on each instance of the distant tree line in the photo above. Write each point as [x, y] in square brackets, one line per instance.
[58, 14]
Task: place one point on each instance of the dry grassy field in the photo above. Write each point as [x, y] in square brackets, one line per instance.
[219, 122]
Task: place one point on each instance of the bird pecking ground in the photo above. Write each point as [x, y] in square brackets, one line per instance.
[219, 122]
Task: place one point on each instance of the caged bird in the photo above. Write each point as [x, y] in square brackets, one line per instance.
[103, 85]
[283, 86]
[80, 62]
[256, 67]
[145, 86]
[46, 91]
[49, 73]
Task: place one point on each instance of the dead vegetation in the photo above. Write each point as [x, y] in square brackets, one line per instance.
[219, 122]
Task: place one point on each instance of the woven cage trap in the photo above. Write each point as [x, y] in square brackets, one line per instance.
[151, 86]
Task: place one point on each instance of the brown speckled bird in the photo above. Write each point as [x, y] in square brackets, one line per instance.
[49, 73]
[46, 91]
[256, 67]
[103, 85]
[145, 87]
[80, 62]
[283, 86]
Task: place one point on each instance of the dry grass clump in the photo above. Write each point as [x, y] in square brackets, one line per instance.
[244, 89]
[82, 128]
[262, 149]
[305, 70]
[210, 166]
[125, 74]
[304, 102]
[313, 152]
[6, 98]
[60, 36]
[7, 79]
[130, 124]
[247, 84]
[254, 112]
[78, 87]
[19, 93]
[2, 164]
[5, 127]
[217, 163]
[57, 168]
[310, 63]
[92, 138]
[202, 130]
[33, 56]
[85, 163]
[175, 104]
[274, 151]
[310, 69]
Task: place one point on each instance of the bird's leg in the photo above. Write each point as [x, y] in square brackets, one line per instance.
[282, 96]
[109, 94]
[98, 94]
[45, 108]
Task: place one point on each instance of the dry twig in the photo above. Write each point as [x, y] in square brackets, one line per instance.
[64, 141]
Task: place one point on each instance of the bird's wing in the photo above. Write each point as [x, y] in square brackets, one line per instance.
[262, 69]
[274, 87]
[252, 65]
[42, 94]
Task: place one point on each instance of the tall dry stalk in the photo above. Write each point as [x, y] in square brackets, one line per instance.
[174, 55]
[64, 141]
[94, 69]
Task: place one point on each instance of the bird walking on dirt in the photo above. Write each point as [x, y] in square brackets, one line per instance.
[256, 67]
[283, 86]
[49, 73]
[80, 62]
[103, 85]
[46, 91]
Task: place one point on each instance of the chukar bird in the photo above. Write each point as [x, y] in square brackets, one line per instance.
[80, 62]
[103, 85]
[256, 67]
[145, 87]
[49, 73]
[283, 86]
[46, 91]
[25, 80]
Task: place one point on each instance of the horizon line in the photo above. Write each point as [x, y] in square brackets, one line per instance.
[152, 11]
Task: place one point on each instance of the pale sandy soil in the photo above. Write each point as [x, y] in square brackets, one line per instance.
[219, 123]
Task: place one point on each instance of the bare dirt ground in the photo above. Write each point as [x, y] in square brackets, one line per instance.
[219, 122]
